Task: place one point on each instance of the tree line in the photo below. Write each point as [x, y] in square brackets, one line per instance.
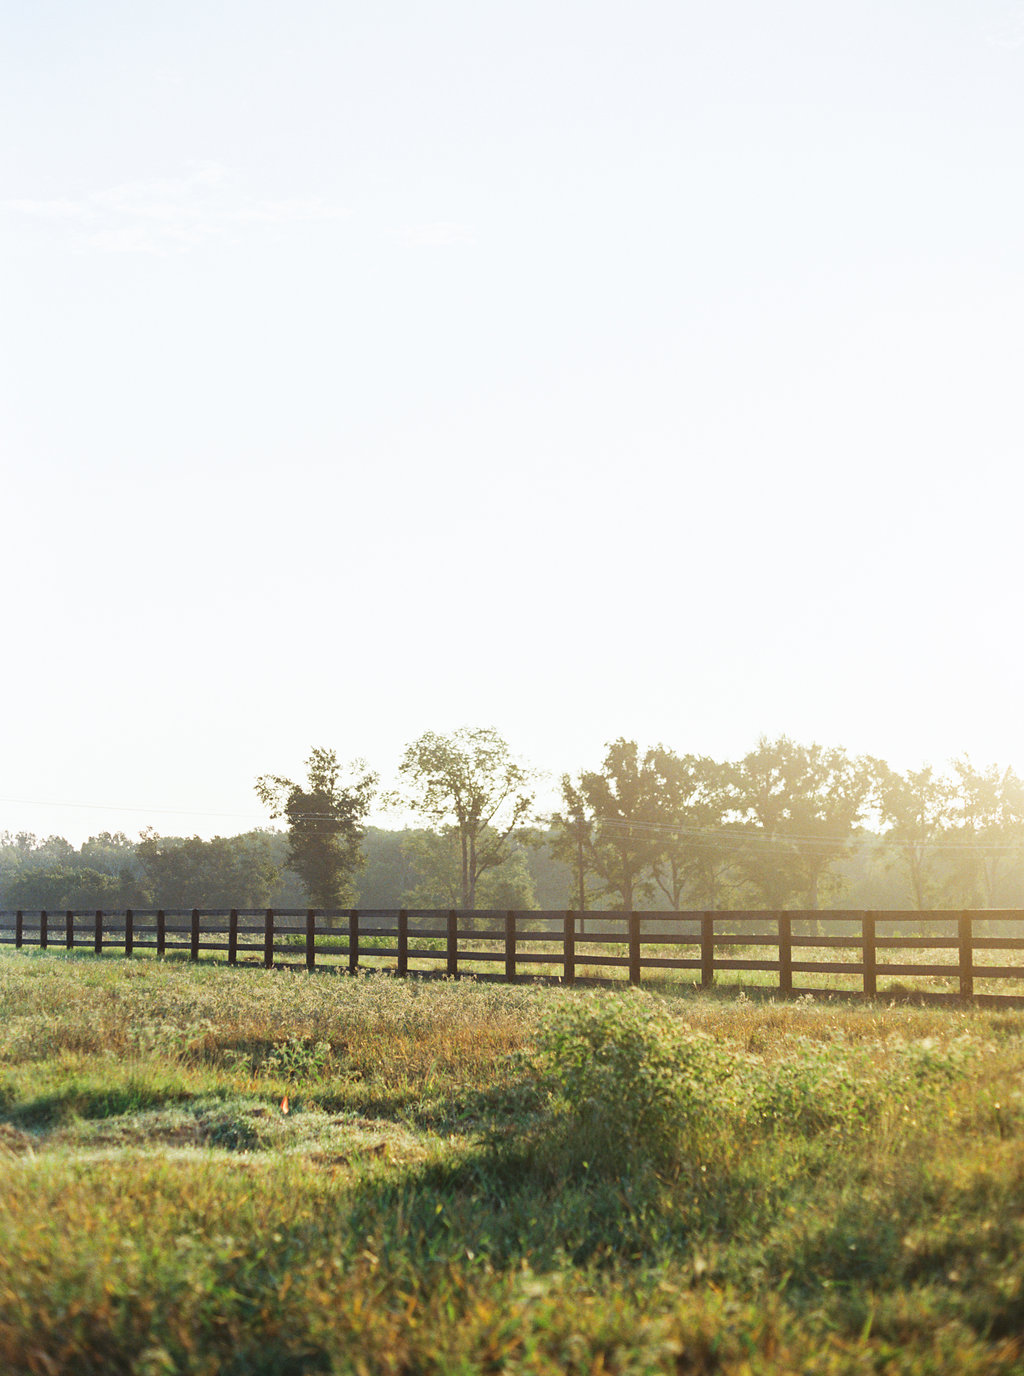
[786, 826]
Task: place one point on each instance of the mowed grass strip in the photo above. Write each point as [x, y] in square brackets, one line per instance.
[480, 1177]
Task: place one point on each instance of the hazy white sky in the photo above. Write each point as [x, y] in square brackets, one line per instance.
[582, 369]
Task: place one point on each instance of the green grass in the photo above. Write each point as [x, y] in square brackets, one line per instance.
[476, 1177]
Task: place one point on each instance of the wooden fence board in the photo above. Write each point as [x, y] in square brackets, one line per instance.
[868, 954]
[402, 954]
[996, 971]
[707, 950]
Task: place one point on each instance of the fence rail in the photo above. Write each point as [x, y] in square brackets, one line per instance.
[956, 950]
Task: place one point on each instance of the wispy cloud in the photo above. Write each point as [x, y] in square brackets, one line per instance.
[168, 215]
[436, 234]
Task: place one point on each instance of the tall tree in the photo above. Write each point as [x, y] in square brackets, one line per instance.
[802, 805]
[986, 830]
[436, 857]
[571, 840]
[691, 800]
[914, 809]
[325, 823]
[611, 814]
[469, 782]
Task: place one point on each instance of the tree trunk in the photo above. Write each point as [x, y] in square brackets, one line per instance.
[812, 889]
[917, 876]
[581, 871]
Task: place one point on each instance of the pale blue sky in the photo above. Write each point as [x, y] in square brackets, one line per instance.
[580, 369]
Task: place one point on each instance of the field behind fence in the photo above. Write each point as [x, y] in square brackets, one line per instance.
[939, 955]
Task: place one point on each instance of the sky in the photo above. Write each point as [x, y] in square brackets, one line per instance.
[583, 370]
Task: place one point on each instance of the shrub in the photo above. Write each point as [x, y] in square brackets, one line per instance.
[627, 1080]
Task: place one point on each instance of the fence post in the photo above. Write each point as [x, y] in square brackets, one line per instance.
[453, 944]
[19, 929]
[69, 929]
[510, 948]
[966, 934]
[311, 939]
[634, 948]
[870, 955]
[161, 932]
[403, 942]
[569, 948]
[268, 938]
[98, 933]
[785, 955]
[707, 950]
[129, 931]
[353, 941]
[193, 953]
[233, 937]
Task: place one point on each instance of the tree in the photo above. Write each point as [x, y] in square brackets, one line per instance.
[691, 800]
[436, 857]
[61, 887]
[986, 817]
[51, 874]
[802, 805]
[325, 820]
[572, 838]
[914, 809]
[388, 873]
[225, 872]
[611, 816]
[469, 782]
[109, 852]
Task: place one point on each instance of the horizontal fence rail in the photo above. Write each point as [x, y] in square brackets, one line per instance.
[955, 951]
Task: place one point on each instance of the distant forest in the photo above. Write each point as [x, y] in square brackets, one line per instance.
[788, 826]
[111, 872]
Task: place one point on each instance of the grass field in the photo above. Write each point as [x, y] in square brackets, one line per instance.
[498, 1178]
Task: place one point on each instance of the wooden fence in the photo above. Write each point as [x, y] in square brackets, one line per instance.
[848, 953]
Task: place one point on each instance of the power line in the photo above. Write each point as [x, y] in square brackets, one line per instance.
[735, 838]
[151, 810]
[135, 809]
[822, 843]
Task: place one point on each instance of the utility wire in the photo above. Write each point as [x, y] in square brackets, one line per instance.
[734, 837]
[138, 810]
[740, 838]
